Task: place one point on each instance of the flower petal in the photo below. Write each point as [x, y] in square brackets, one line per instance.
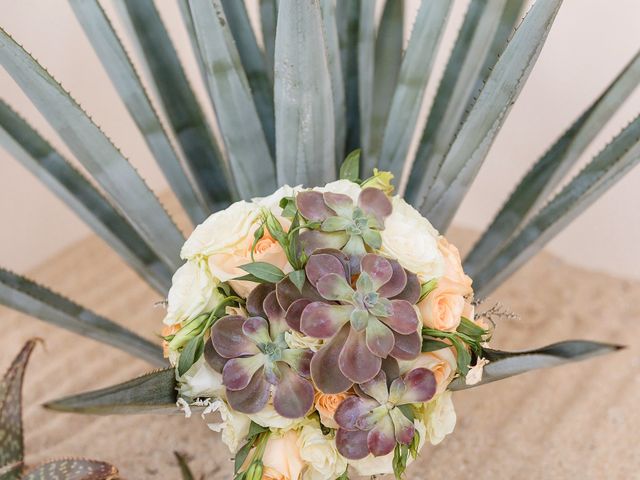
[312, 206]
[356, 361]
[238, 372]
[293, 395]
[321, 264]
[403, 318]
[213, 358]
[322, 320]
[380, 339]
[294, 313]
[312, 240]
[228, 338]
[406, 347]
[351, 410]
[411, 292]
[256, 298]
[403, 427]
[339, 203]
[381, 440]
[253, 398]
[324, 365]
[377, 388]
[352, 444]
[298, 359]
[396, 283]
[334, 287]
[378, 268]
[275, 314]
[374, 202]
[257, 329]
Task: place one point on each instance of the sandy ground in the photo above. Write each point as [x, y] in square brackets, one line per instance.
[577, 421]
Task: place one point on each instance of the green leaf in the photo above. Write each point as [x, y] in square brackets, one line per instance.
[268, 19]
[400, 457]
[552, 167]
[37, 155]
[431, 345]
[298, 277]
[276, 230]
[467, 327]
[347, 24]
[606, 168]
[124, 77]
[11, 430]
[178, 100]
[487, 24]
[305, 137]
[190, 354]
[185, 471]
[95, 151]
[414, 448]
[463, 357]
[428, 287]
[264, 271]
[73, 469]
[366, 65]
[412, 81]
[154, 392]
[350, 168]
[255, 430]
[469, 149]
[246, 144]
[26, 296]
[254, 65]
[506, 364]
[388, 59]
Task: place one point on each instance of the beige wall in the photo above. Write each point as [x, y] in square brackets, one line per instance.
[590, 42]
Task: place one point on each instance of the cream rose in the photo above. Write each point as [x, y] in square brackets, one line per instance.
[441, 362]
[320, 454]
[410, 238]
[443, 307]
[268, 417]
[453, 266]
[439, 417]
[272, 202]
[234, 426]
[193, 291]
[281, 458]
[326, 405]
[200, 381]
[346, 187]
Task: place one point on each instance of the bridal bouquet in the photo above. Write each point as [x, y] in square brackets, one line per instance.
[324, 325]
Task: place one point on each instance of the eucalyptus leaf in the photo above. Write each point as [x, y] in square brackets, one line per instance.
[264, 271]
[471, 145]
[39, 157]
[95, 151]
[72, 469]
[305, 137]
[350, 168]
[247, 147]
[26, 296]
[153, 393]
[506, 364]
[124, 77]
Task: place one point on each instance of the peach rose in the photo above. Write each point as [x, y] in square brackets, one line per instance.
[327, 404]
[443, 307]
[441, 362]
[453, 266]
[165, 332]
[281, 458]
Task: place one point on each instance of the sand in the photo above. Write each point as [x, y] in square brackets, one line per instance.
[577, 421]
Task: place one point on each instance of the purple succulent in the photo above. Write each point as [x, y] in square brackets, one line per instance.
[254, 358]
[363, 325]
[373, 421]
[343, 225]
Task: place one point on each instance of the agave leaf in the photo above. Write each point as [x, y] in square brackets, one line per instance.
[185, 471]
[26, 296]
[305, 141]
[366, 59]
[335, 72]
[268, 21]
[606, 168]
[388, 59]
[73, 469]
[118, 65]
[154, 392]
[472, 142]
[507, 364]
[487, 23]
[96, 152]
[255, 67]
[179, 102]
[11, 434]
[412, 81]
[35, 153]
[347, 23]
[239, 122]
[551, 168]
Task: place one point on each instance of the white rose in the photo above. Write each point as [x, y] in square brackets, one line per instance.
[222, 230]
[272, 202]
[193, 291]
[200, 381]
[439, 417]
[268, 417]
[441, 362]
[320, 453]
[346, 187]
[412, 240]
[234, 427]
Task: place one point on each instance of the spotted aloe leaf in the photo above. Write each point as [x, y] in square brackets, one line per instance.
[342, 224]
[363, 321]
[373, 422]
[73, 469]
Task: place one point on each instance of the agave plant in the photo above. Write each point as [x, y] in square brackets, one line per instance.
[326, 80]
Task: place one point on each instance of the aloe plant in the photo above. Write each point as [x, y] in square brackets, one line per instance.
[327, 80]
